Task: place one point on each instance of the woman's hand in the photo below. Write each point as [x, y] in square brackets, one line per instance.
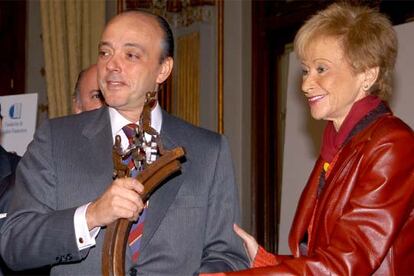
[250, 243]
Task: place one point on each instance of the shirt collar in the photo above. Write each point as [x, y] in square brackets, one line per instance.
[118, 121]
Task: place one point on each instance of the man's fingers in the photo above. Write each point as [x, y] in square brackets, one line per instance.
[131, 184]
[121, 200]
[250, 244]
[127, 208]
[241, 233]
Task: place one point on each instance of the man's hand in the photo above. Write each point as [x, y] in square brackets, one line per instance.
[250, 243]
[121, 200]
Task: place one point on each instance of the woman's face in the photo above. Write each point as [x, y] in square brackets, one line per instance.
[329, 83]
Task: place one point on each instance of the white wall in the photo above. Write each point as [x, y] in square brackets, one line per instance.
[236, 95]
[303, 134]
[35, 81]
[402, 100]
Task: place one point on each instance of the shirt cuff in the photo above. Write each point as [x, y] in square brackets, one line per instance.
[84, 237]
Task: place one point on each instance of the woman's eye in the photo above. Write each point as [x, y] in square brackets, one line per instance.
[320, 69]
[305, 72]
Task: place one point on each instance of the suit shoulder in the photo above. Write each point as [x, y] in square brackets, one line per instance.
[184, 129]
[76, 120]
[390, 125]
[387, 130]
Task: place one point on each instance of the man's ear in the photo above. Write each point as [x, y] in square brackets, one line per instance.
[76, 108]
[166, 68]
[370, 77]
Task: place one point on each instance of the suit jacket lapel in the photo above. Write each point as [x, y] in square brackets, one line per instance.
[161, 200]
[98, 133]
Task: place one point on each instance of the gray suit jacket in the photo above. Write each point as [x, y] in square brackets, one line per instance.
[189, 224]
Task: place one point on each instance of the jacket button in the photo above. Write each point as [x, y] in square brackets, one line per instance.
[59, 259]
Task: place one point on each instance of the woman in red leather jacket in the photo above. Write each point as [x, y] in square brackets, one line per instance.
[355, 215]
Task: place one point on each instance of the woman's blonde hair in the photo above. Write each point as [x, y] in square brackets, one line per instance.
[367, 38]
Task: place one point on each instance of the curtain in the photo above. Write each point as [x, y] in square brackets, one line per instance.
[71, 30]
[187, 92]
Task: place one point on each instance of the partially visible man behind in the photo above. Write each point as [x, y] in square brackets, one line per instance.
[87, 95]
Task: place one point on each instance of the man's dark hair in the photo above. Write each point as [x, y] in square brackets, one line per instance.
[168, 42]
[167, 45]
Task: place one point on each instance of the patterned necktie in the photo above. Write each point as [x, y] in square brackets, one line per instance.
[135, 234]
[130, 133]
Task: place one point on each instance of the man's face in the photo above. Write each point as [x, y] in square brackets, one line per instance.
[90, 97]
[129, 62]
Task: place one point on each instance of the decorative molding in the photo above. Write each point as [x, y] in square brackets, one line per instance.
[179, 13]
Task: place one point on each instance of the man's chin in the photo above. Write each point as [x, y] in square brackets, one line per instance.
[114, 101]
[115, 105]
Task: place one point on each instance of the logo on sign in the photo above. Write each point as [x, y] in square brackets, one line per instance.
[15, 111]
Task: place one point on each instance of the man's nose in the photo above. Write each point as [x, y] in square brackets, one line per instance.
[114, 63]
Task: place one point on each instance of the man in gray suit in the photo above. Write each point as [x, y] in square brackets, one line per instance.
[65, 195]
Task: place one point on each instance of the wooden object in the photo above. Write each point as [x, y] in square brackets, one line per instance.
[146, 145]
[116, 236]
